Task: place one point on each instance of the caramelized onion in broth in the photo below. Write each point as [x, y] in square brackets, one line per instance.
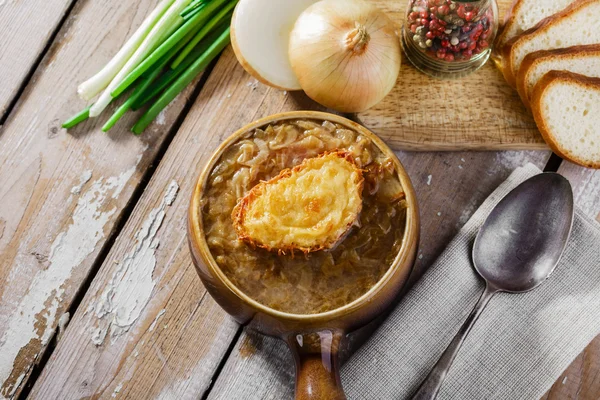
[323, 280]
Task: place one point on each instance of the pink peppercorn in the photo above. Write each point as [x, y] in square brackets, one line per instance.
[449, 29]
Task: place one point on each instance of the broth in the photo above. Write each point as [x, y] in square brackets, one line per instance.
[323, 280]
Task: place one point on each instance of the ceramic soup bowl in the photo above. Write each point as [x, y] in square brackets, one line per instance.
[313, 338]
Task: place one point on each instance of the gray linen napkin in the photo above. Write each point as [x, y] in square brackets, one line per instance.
[518, 348]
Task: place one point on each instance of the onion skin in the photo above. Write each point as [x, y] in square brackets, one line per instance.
[346, 54]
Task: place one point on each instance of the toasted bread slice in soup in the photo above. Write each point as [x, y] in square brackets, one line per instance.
[308, 208]
[566, 108]
[525, 14]
[583, 60]
[578, 24]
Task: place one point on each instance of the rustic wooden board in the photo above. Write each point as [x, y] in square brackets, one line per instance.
[182, 350]
[582, 379]
[479, 112]
[61, 194]
[25, 29]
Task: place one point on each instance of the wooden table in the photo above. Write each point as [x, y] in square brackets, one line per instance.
[87, 229]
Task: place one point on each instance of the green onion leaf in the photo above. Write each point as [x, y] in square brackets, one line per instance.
[224, 14]
[169, 43]
[171, 74]
[77, 118]
[182, 81]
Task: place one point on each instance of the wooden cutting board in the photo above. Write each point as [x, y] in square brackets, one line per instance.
[478, 112]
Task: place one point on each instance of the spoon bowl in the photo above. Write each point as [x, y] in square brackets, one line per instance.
[522, 240]
[516, 249]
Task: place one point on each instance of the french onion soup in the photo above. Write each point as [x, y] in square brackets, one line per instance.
[304, 216]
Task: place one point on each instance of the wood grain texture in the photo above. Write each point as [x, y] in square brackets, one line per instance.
[451, 184]
[61, 193]
[479, 112]
[25, 29]
[582, 379]
[176, 356]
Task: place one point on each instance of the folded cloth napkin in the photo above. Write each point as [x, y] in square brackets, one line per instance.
[516, 350]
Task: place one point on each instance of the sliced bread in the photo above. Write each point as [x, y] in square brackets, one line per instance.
[525, 14]
[566, 108]
[578, 24]
[583, 60]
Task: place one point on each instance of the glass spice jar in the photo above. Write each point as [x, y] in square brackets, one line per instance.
[447, 38]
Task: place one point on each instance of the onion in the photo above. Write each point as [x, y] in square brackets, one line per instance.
[260, 35]
[345, 53]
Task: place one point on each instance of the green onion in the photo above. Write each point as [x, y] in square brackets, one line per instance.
[194, 22]
[185, 79]
[171, 74]
[139, 90]
[148, 45]
[90, 88]
[193, 8]
[174, 44]
[224, 13]
[77, 118]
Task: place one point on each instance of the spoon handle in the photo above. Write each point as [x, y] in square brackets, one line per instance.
[431, 385]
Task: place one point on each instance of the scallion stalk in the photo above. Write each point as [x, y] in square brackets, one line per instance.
[171, 74]
[139, 90]
[224, 13]
[148, 45]
[77, 118]
[193, 8]
[182, 81]
[90, 88]
[189, 26]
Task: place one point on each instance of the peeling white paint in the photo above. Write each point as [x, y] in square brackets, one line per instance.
[99, 335]
[117, 390]
[69, 249]
[63, 321]
[83, 179]
[161, 118]
[468, 211]
[429, 180]
[160, 314]
[506, 161]
[131, 285]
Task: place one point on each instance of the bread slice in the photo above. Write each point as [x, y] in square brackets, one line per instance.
[566, 108]
[583, 60]
[308, 208]
[578, 24]
[525, 14]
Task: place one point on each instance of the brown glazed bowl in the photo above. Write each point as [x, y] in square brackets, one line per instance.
[313, 339]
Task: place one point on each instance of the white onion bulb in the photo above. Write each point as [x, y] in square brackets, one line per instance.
[260, 35]
[345, 53]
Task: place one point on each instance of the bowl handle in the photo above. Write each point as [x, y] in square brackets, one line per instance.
[317, 364]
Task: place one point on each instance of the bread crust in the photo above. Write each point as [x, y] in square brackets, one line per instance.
[534, 58]
[509, 20]
[510, 74]
[238, 214]
[544, 84]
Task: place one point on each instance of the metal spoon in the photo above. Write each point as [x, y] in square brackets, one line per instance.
[517, 248]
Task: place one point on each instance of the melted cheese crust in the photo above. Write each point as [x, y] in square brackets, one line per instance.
[308, 208]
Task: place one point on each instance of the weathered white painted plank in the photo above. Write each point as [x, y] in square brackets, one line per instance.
[62, 193]
[449, 184]
[171, 353]
[25, 29]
